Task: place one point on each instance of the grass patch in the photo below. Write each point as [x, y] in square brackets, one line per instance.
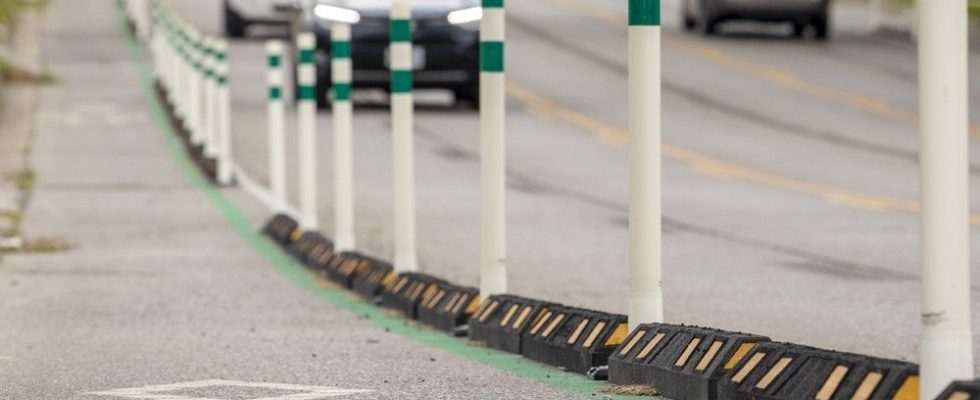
[13, 223]
[14, 73]
[25, 179]
[631, 390]
[45, 245]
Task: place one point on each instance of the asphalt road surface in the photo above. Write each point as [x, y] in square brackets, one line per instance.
[790, 176]
[790, 187]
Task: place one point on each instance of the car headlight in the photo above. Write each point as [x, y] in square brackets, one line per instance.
[465, 16]
[338, 14]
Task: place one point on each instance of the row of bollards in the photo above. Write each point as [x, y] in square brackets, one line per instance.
[192, 70]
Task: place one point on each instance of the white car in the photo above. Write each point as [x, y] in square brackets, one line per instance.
[240, 14]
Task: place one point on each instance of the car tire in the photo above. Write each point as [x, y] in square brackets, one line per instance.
[707, 24]
[468, 94]
[821, 26]
[323, 96]
[799, 30]
[689, 22]
[235, 25]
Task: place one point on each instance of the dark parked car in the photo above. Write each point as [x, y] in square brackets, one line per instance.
[706, 15]
[239, 15]
[445, 39]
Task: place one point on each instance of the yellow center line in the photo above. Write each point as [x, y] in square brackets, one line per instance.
[777, 76]
[713, 166]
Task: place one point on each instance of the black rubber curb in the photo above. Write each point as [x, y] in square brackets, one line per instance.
[684, 362]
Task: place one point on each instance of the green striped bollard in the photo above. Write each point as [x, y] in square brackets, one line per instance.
[306, 110]
[194, 98]
[178, 68]
[210, 96]
[646, 292]
[402, 120]
[225, 159]
[344, 239]
[493, 268]
[277, 128]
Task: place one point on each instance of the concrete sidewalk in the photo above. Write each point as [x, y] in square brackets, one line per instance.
[165, 284]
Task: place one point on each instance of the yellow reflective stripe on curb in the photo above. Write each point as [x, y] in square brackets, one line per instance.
[833, 381]
[595, 334]
[618, 335]
[749, 366]
[744, 349]
[578, 331]
[867, 386]
[629, 346]
[682, 360]
[909, 389]
[510, 314]
[773, 373]
[710, 355]
[649, 347]
[523, 316]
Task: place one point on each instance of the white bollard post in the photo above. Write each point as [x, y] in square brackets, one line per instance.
[277, 125]
[211, 111]
[402, 132]
[195, 94]
[947, 338]
[340, 48]
[646, 293]
[225, 160]
[306, 109]
[493, 265]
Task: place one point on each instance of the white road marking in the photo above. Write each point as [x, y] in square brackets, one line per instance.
[159, 392]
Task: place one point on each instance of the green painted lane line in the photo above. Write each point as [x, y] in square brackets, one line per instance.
[298, 274]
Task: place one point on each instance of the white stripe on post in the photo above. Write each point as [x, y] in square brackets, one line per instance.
[493, 265]
[646, 293]
[306, 105]
[947, 339]
[344, 238]
[277, 127]
[402, 121]
[225, 162]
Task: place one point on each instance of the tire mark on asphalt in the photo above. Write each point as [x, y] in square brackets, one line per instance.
[816, 262]
[729, 109]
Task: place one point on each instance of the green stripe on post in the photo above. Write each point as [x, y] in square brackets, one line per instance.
[492, 56]
[307, 92]
[340, 49]
[306, 56]
[401, 81]
[275, 61]
[341, 91]
[275, 93]
[644, 12]
[401, 30]
[493, 3]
